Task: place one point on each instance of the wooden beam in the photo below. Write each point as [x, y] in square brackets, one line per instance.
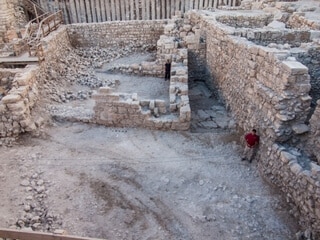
[127, 9]
[158, 7]
[137, 10]
[27, 235]
[153, 9]
[113, 10]
[122, 9]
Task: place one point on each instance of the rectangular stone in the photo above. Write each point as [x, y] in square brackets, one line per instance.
[294, 67]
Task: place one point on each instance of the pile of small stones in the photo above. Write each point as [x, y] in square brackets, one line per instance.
[36, 215]
[78, 67]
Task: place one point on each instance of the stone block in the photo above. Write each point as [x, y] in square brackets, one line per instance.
[300, 128]
[286, 157]
[11, 98]
[17, 107]
[105, 90]
[294, 67]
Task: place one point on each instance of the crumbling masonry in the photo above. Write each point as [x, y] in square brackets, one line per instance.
[265, 69]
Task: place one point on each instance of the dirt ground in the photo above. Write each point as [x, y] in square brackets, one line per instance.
[128, 183]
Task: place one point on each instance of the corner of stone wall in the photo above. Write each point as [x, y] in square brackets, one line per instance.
[16, 107]
[299, 182]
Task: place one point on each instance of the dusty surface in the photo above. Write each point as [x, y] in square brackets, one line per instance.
[138, 184]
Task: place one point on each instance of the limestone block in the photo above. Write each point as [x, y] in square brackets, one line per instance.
[295, 168]
[172, 98]
[181, 71]
[315, 170]
[11, 98]
[286, 157]
[17, 107]
[294, 67]
[185, 113]
[173, 107]
[300, 128]
[180, 126]
[105, 90]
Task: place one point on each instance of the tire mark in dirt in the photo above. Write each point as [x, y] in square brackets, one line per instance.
[140, 205]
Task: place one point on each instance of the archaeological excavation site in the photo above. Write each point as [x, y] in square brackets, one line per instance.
[125, 119]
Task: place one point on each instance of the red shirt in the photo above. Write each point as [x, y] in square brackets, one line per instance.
[251, 139]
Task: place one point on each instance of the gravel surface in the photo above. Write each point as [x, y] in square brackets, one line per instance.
[127, 183]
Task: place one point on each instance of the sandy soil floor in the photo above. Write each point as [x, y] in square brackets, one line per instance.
[132, 183]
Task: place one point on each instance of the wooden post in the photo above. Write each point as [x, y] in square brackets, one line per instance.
[153, 9]
[122, 9]
[137, 10]
[127, 8]
[113, 11]
[108, 10]
[183, 6]
[143, 9]
[158, 7]
[172, 8]
[168, 6]
[196, 4]
[163, 9]
[103, 10]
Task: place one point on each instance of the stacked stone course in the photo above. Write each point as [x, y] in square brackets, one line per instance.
[16, 106]
[267, 88]
[119, 33]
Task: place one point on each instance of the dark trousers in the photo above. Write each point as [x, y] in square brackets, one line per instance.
[167, 75]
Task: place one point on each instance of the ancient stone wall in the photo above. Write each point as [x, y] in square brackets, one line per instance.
[298, 21]
[7, 18]
[314, 136]
[266, 88]
[273, 93]
[122, 34]
[300, 182]
[16, 106]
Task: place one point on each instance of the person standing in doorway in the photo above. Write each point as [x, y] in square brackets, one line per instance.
[252, 142]
[167, 70]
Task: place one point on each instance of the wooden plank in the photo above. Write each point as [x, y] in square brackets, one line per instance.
[215, 4]
[103, 10]
[118, 14]
[88, 11]
[113, 10]
[98, 10]
[177, 5]
[127, 9]
[107, 9]
[147, 5]
[73, 10]
[183, 6]
[27, 235]
[143, 9]
[200, 4]
[153, 9]
[191, 4]
[196, 4]
[172, 8]
[158, 9]
[82, 12]
[137, 10]
[163, 9]
[122, 9]
[132, 10]
[168, 6]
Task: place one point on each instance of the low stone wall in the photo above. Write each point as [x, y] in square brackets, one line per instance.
[314, 136]
[16, 106]
[121, 34]
[127, 110]
[298, 21]
[301, 184]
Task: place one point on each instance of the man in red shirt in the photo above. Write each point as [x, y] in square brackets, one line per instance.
[252, 142]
